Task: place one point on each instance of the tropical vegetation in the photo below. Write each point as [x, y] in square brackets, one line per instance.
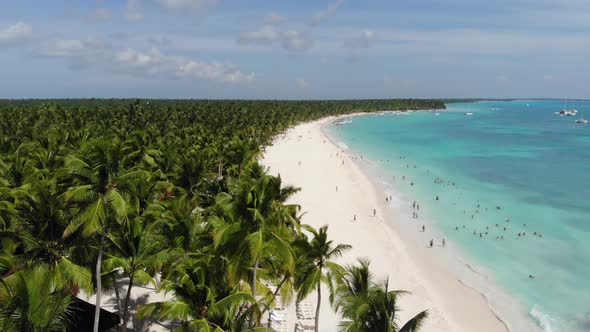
[95, 193]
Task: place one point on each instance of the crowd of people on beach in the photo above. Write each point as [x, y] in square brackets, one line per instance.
[478, 209]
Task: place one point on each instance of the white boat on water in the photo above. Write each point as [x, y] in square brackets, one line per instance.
[342, 122]
[566, 112]
[436, 113]
[468, 113]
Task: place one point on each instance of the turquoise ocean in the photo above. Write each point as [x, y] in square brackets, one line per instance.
[512, 167]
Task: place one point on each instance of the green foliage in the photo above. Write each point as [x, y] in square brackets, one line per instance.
[368, 305]
[171, 194]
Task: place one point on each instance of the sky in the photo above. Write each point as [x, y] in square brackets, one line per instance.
[305, 49]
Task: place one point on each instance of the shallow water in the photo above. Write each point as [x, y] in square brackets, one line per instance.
[521, 164]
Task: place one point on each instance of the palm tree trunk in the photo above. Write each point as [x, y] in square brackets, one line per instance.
[253, 321]
[98, 280]
[254, 279]
[317, 309]
[274, 296]
[126, 304]
[117, 296]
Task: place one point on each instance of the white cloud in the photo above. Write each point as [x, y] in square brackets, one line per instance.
[266, 35]
[292, 40]
[302, 84]
[358, 44]
[100, 14]
[274, 18]
[191, 5]
[155, 63]
[152, 63]
[133, 12]
[65, 48]
[15, 34]
[295, 41]
[319, 17]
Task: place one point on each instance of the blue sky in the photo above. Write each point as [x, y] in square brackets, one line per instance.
[280, 49]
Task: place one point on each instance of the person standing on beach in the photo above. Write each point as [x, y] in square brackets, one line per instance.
[431, 243]
[354, 218]
[374, 212]
[444, 243]
[423, 228]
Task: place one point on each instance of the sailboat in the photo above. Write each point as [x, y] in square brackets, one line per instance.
[468, 110]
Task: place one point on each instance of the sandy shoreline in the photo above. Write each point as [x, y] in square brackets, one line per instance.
[452, 305]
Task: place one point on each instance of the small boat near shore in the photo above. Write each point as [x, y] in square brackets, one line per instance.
[468, 113]
[342, 122]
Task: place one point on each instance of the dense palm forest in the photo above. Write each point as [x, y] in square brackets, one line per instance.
[168, 193]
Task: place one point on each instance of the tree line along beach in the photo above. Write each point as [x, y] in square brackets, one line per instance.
[135, 199]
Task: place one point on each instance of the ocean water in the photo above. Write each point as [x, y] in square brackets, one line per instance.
[512, 167]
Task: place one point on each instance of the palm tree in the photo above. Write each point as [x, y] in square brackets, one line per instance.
[191, 173]
[315, 257]
[138, 150]
[367, 305]
[242, 152]
[83, 179]
[201, 299]
[139, 252]
[256, 224]
[182, 223]
[34, 238]
[98, 196]
[30, 301]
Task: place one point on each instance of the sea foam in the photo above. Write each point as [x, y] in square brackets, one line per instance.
[546, 322]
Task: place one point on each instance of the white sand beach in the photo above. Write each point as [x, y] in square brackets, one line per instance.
[306, 158]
